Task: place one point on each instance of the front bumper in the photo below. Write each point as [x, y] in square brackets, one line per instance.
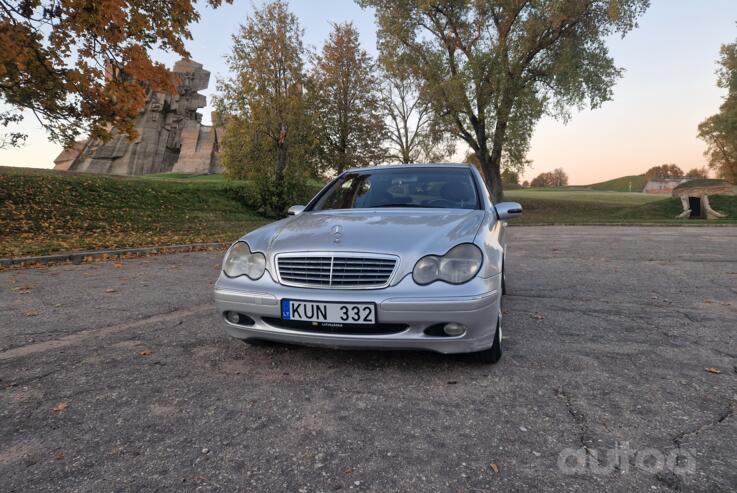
[474, 304]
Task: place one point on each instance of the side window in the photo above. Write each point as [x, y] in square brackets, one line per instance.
[352, 189]
[341, 197]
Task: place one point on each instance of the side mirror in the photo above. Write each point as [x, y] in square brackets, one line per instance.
[508, 210]
[295, 210]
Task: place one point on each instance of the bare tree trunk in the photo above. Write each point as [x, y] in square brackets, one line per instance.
[281, 162]
[406, 158]
[343, 163]
[492, 165]
[495, 177]
[491, 170]
[281, 156]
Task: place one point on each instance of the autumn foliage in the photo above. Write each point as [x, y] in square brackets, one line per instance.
[664, 171]
[551, 179]
[492, 69]
[719, 131]
[44, 211]
[77, 65]
[346, 103]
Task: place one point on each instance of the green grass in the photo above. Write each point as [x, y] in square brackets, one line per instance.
[43, 211]
[588, 196]
[186, 177]
[550, 206]
[621, 184]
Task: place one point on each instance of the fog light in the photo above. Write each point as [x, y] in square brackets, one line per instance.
[233, 317]
[453, 329]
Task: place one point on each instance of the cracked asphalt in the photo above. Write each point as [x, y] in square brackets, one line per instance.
[118, 377]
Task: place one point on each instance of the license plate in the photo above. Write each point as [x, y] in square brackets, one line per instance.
[331, 313]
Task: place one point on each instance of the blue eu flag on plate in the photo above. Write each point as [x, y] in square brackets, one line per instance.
[285, 315]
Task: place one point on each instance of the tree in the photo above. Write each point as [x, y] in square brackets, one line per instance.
[345, 98]
[510, 177]
[720, 131]
[555, 178]
[493, 68]
[11, 139]
[664, 171]
[267, 129]
[525, 184]
[80, 66]
[702, 172]
[542, 180]
[560, 178]
[413, 130]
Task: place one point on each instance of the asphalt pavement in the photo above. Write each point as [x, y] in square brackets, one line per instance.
[619, 374]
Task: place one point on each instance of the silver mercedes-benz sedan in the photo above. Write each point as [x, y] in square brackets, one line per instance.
[388, 257]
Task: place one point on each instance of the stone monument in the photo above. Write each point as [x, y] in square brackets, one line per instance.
[694, 197]
[171, 137]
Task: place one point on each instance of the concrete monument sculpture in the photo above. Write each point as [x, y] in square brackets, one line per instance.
[694, 197]
[171, 137]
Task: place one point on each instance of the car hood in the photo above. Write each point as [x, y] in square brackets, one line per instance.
[403, 232]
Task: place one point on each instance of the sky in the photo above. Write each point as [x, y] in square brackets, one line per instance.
[668, 87]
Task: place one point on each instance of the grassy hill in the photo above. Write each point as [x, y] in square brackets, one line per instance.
[621, 184]
[544, 206]
[43, 211]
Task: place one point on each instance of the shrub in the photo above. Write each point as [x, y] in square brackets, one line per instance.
[263, 195]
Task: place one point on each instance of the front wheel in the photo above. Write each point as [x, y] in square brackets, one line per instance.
[494, 353]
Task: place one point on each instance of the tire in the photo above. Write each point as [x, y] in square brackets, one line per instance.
[494, 353]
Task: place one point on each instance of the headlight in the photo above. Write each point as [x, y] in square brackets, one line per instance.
[459, 265]
[240, 261]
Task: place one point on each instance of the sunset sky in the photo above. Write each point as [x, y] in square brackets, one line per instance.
[667, 89]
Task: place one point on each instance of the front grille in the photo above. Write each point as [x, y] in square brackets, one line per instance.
[347, 329]
[335, 272]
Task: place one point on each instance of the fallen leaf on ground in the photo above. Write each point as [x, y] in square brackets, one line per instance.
[59, 456]
[494, 468]
[111, 290]
[709, 302]
[119, 265]
[144, 353]
[31, 313]
[537, 316]
[61, 407]
[22, 289]
[715, 371]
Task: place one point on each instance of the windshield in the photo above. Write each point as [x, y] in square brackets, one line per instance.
[441, 188]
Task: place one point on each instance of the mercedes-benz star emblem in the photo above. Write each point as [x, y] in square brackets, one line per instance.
[337, 233]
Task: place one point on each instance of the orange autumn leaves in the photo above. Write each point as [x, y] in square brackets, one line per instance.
[47, 212]
[77, 65]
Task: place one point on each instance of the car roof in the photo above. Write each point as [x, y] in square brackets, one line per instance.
[411, 165]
